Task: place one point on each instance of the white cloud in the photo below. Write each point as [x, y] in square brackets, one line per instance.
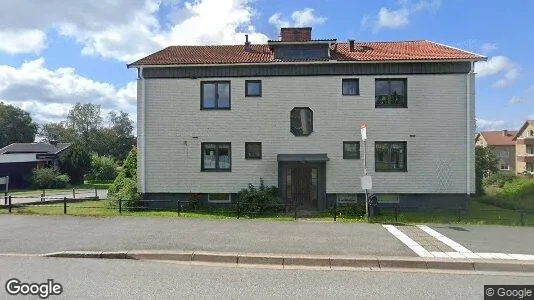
[126, 30]
[22, 41]
[299, 18]
[49, 94]
[520, 100]
[388, 18]
[496, 65]
[486, 125]
[488, 47]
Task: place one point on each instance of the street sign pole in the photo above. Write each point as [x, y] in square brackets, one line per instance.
[363, 129]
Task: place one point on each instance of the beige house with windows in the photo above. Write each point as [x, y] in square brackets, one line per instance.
[212, 119]
[525, 148]
[503, 144]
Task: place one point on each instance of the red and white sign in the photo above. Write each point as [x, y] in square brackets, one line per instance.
[363, 130]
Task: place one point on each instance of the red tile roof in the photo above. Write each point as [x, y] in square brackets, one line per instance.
[261, 53]
[496, 138]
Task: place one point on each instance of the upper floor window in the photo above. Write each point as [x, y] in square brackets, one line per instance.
[350, 87]
[390, 156]
[390, 93]
[252, 88]
[301, 121]
[530, 149]
[351, 150]
[215, 95]
[216, 156]
[253, 150]
[531, 132]
[504, 154]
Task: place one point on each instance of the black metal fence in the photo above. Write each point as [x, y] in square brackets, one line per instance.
[239, 210]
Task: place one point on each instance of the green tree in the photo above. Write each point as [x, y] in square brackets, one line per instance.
[103, 168]
[485, 164]
[121, 134]
[16, 125]
[124, 187]
[60, 132]
[85, 118]
[76, 163]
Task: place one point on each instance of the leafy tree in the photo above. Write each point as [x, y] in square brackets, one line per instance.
[16, 125]
[103, 168]
[48, 178]
[85, 118]
[485, 164]
[60, 132]
[121, 132]
[76, 163]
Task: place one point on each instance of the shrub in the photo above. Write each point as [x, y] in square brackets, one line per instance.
[349, 210]
[103, 168]
[47, 178]
[124, 187]
[499, 179]
[255, 201]
[128, 170]
[128, 194]
[193, 202]
[518, 188]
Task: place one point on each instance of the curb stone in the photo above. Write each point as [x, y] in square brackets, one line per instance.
[315, 261]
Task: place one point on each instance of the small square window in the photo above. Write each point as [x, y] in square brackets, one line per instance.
[252, 88]
[219, 198]
[350, 87]
[253, 150]
[351, 150]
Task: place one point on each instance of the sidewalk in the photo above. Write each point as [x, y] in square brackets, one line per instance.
[42, 234]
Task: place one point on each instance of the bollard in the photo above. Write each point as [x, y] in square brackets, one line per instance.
[9, 203]
[5, 198]
[179, 206]
[295, 210]
[335, 211]
[522, 214]
[64, 205]
[238, 209]
[96, 193]
[396, 218]
[120, 206]
[73, 194]
[42, 197]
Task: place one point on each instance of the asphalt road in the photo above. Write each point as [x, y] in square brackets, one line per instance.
[125, 279]
[490, 238]
[41, 234]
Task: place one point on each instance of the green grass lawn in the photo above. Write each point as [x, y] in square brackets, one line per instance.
[479, 213]
[37, 192]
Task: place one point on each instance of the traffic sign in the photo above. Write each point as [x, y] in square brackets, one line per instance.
[367, 182]
[363, 130]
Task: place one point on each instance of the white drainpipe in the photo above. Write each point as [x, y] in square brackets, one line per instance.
[143, 124]
[469, 128]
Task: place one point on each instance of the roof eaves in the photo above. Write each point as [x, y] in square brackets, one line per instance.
[480, 57]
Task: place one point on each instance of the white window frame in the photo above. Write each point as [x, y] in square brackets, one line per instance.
[220, 201]
[504, 169]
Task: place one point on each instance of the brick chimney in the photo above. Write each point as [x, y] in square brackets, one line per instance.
[248, 47]
[351, 45]
[295, 34]
[505, 132]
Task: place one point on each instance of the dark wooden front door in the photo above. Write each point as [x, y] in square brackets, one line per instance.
[302, 187]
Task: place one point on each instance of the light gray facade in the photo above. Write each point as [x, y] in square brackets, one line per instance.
[437, 126]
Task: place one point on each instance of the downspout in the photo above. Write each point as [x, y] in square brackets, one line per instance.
[469, 128]
[143, 125]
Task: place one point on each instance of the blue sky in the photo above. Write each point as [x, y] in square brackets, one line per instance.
[56, 53]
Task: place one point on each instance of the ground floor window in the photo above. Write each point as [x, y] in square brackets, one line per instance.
[505, 167]
[347, 198]
[219, 198]
[530, 167]
[216, 157]
[390, 157]
[388, 198]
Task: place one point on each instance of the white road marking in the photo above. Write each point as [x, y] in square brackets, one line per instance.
[461, 251]
[445, 240]
[418, 249]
